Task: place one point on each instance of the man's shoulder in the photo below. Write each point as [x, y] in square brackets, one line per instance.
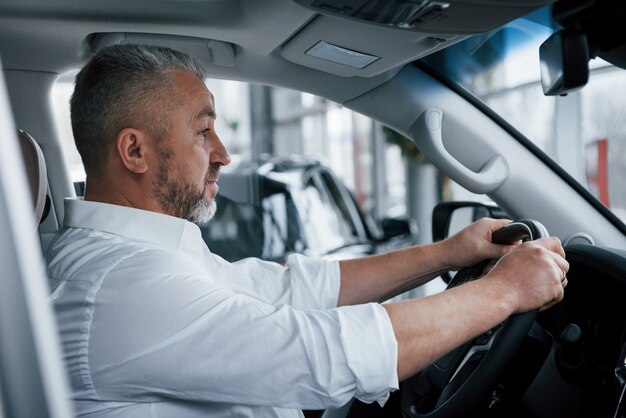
[84, 254]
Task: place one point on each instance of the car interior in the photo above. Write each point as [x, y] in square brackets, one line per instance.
[371, 57]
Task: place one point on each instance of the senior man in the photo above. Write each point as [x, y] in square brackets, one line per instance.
[155, 325]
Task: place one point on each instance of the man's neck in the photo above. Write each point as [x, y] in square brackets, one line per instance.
[127, 193]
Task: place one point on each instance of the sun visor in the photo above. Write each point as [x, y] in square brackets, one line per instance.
[368, 37]
[357, 49]
[208, 51]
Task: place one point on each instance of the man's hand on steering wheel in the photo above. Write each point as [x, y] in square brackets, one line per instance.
[532, 274]
[474, 244]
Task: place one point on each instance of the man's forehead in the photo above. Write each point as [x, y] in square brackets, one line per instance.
[212, 113]
[209, 111]
[208, 108]
[194, 90]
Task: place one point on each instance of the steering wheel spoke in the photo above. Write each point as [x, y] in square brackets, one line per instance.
[482, 345]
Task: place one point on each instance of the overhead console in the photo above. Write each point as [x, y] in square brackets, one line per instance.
[368, 37]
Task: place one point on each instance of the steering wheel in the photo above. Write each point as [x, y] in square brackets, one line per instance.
[455, 383]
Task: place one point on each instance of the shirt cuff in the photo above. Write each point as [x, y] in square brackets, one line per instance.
[371, 350]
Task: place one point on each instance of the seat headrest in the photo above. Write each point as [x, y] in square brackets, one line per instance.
[37, 174]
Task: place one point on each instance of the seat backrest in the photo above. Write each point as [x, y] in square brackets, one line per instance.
[37, 174]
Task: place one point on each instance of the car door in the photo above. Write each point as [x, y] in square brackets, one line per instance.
[32, 378]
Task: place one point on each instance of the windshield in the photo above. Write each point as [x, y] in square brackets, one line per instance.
[584, 132]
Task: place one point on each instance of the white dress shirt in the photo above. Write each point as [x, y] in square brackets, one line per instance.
[155, 325]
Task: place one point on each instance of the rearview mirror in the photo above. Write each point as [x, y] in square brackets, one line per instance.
[564, 60]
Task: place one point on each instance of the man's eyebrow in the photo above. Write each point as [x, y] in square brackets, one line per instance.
[207, 112]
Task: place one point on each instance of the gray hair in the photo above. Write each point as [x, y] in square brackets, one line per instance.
[124, 86]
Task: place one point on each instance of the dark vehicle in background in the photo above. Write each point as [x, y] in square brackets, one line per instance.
[295, 205]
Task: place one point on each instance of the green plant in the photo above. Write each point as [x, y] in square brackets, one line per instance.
[407, 147]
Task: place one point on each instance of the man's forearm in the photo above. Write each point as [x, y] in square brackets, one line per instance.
[429, 327]
[380, 277]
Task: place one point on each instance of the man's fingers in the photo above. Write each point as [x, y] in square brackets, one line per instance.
[561, 262]
[553, 244]
[499, 223]
[505, 249]
[555, 251]
[560, 294]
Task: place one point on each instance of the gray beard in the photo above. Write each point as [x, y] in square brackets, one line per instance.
[202, 212]
[184, 199]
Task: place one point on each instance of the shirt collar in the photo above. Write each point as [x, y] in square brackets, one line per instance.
[137, 224]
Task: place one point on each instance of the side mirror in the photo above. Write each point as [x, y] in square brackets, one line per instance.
[564, 60]
[451, 217]
[398, 227]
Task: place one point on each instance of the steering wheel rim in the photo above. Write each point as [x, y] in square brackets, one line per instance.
[494, 350]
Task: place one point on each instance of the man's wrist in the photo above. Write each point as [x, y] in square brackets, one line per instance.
[444, 253]
[501, 294]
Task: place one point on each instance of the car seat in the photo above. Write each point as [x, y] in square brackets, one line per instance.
[37, 175]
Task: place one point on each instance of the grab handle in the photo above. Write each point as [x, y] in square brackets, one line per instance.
[427, 134]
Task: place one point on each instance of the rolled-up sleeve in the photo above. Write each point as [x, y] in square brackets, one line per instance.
[303, 282]
[371, 350]
[190, 338]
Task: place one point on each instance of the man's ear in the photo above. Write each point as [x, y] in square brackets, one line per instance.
[131, 146]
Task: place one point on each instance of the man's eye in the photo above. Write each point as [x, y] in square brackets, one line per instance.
[204, 132]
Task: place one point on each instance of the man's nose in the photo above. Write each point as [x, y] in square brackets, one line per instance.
[219, 153]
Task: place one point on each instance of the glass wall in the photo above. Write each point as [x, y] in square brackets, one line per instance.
[344, 141]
